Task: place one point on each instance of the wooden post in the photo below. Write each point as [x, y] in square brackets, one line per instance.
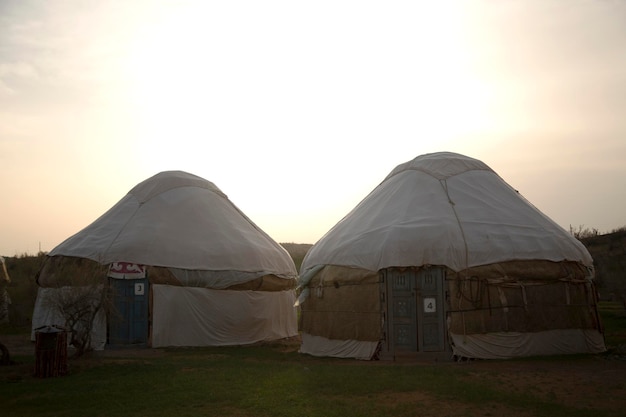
[50, 353]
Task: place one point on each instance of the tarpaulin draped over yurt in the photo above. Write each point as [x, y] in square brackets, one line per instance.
[444, 256]
[182, 258]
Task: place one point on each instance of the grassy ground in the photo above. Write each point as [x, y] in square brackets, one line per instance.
[614, 321]
[275, 380]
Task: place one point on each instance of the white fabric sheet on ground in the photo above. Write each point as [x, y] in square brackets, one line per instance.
[187, 316]
[508, 345]
[44, 314]
[321, 346]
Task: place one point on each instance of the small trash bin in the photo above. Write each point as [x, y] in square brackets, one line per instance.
[50, 351]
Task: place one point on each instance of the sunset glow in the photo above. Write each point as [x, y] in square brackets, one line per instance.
[297, 111]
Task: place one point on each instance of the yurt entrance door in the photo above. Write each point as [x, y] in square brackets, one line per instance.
[414, 309]
[128, 322]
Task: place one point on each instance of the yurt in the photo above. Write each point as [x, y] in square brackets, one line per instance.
[443, 259]
[180, 265]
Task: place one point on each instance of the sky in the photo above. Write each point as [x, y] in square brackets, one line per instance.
[298, 109]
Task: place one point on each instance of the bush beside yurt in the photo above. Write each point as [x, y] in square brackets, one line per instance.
[445, 259]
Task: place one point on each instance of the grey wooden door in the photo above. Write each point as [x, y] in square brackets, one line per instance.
[430, 316]
[415, 310]
[402, 315]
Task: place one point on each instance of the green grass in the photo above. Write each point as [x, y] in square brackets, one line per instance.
[256, 381]
[275, 380]
[614, 321]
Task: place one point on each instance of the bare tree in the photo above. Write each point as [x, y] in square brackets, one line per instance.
[79, 298]
[583, 232]
[79, 307]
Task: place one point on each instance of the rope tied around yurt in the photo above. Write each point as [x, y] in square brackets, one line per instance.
[444, 185]
[524, 296]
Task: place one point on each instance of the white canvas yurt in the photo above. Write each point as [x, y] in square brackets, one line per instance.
[183, 267]
[444, 258]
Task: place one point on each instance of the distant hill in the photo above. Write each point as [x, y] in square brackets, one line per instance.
[297, 252]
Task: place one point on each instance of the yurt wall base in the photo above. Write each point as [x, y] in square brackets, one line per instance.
[321, 346]
[511, 344]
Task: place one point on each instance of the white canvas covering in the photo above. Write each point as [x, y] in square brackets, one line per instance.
[321, 346]
[178, 220]
[443, 209]
[205, 317]
[451, 212]
[229, 283]
[515, 344]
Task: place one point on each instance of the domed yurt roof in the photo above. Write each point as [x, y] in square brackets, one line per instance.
[443, 209]
[180, 221]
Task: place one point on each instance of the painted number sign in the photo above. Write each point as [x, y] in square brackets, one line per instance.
[139, 288]
[430, 305]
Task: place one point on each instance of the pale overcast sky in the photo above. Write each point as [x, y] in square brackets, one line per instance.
[297, 110]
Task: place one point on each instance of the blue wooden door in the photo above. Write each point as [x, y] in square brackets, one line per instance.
[128, 320]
